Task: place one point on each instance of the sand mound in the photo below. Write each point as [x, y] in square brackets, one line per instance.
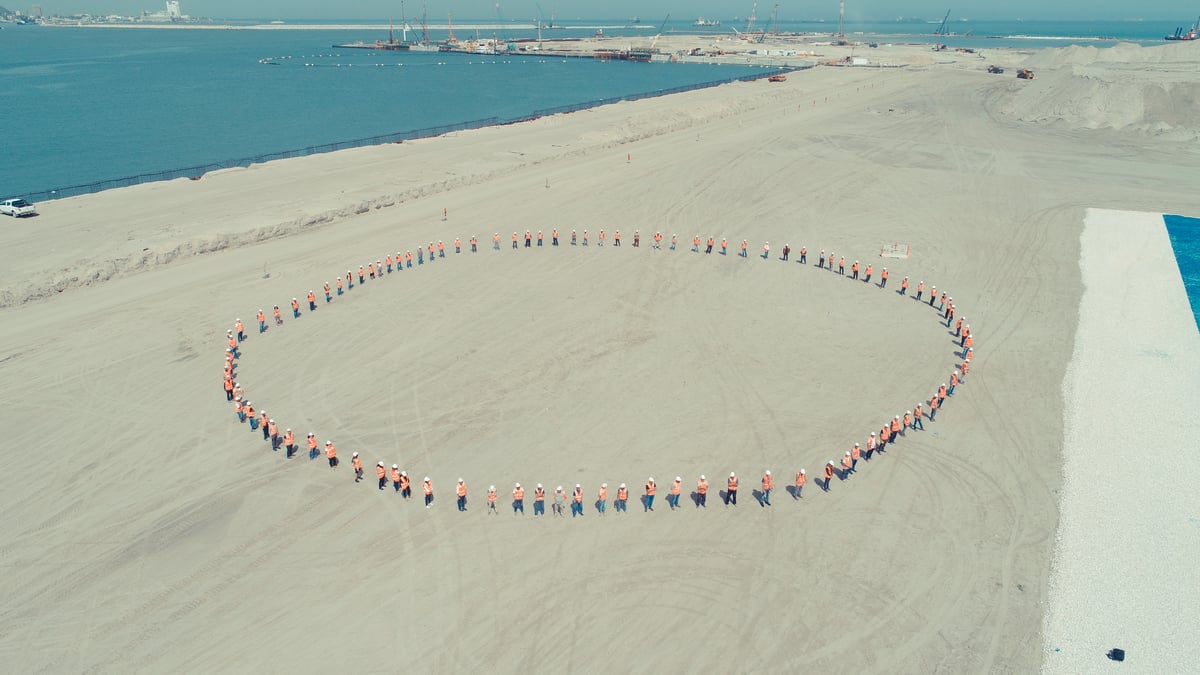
[1126, 87]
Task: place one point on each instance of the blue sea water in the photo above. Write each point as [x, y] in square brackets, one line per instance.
[93, 104]
[84, 105]
[1185, 240]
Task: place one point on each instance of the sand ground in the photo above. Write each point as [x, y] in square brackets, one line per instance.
[146, 531]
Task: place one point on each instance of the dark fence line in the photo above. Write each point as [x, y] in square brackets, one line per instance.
[195, 172]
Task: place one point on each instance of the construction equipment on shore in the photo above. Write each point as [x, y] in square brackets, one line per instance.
[941, 30]
[996, 70]
[1025, 74]
[1179, 35]
[778, 77]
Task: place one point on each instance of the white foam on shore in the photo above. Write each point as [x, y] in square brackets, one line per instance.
[1124, 572]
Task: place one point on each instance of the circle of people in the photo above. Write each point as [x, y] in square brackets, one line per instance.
[843, 468]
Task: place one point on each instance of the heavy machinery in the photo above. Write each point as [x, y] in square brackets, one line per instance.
[1025, 74]
[996, 70]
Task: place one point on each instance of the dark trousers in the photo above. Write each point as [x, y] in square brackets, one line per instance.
[333, 462]
[428, 500]
[383, 482]
[701, 500]
[731, 497]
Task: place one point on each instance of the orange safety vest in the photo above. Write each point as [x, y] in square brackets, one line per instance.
[702, 487]
[331, 451]
[732, 483]
[651, 488]
[603, 493]
[539, 495]
[395, 475]
[767, 482]
[312, 443]
[623, 494]
[380, 472]
[261, 317]
[404, 482]
[675, 488]
[578, 495]
[828, 471]
[846, 462]
[491, 496]
[462, 490]
[427, 486]
[856, 452]
[801, 479]
[519, 493]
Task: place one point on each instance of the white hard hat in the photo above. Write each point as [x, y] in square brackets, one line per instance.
[906, 412]
[872, 433]
[379, 463]
[651, 479]
[802, 471]
[604, 485]
[847, 453]
[404, 473]
[768, 472]
[539, 485]
[678, 478]
[328, 442]
[856, 445]
[460, 480]
[518, 485]
[426, 478]
[622, 485]
[731, 474]
[491, 487]
[577, 485]
[395, 466]
[702, 477]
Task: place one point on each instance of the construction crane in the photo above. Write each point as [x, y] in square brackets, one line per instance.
[660, 31]
[771, 23]
[450, 39]
[753, 17]
[841, 20]
[941, 30]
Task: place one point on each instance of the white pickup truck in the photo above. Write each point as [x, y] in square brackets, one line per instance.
[17, 208]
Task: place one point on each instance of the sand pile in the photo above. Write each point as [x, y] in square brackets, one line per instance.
[1149, 89]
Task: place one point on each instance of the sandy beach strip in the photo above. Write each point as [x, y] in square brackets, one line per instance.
[1124, 573]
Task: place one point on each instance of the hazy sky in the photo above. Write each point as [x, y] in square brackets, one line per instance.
[650, 11]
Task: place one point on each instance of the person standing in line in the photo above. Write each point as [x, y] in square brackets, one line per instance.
[674, 241]
[574, 238]
[883, 276]
[828, 474]
[278, 317]
[328, 295]
[273, 431]
[842, 265]
[709, 244]
[675, 489]
[854, 271]
[362, 273]
[897, 428]
[289, 443]
[349, 280]
[932, 295]
[311, 441]
[262, 322]
[405, 485]
[395, 476]
[622, 502]
[803, 256]
[331, 454]
[600, 238]
[457, 246]
[907, 422]
[821, 260]
[731, 487]
[744, 245]
[801, 479]
[356, 465]
[381, 474]
[577, 501]
[637, 239]
[920, 290]
[658, 237]
[474, 244]
[651, 489]
[228, 384]
[371, 270]
[941, 395]
[766, 250]
[431, 251]
[514, 241]
[871, 445]
[855, 455]
[539, 238]
[539, 501]
[388, 260]
[585, 238]
[461, 491]
[933, 406]
[602, 499]
[787, 249]
[496, 241]
[724, 245]
[518, 500]
[427, 488]
[867, 274]
[767, 484]
[339, 285]
[554, 237]
[953, 383]
[560, 498]
[251, 415]
[696, 244]
[904, 286]
[917, 415]
[617, 238]
[491, 501]
[241, 330]
[702, 492]
[266, 426]
[847, 465]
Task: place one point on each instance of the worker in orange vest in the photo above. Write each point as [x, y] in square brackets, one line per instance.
[941, 394]
[252, 416]
[474, 244]
[554, 237]
[724, 246]
[847, 465]
[617, 238]
[239, 409]
[457, 245]
[658, 241]
[842, 266]
[362, 274]
[395, 478]
[441, 249]
[744, 245]
[461, 491]
[518, 499]
[801, 479]
[273, 432]
[766, 250]
[577, 501]
[966, 364]
[871, 445]
[539, 500]
[883, 275]
[427, 488]
[622, 501]
[702, 492]
[854, 271]
[903, 285]
[897, 428]
[803, 256]
[855, 455]
[370, 270]
[381, 474]
[266, 425]
[867, 274]
[228, 388]
[356, 465]
[539, 238]
[673, 498]
[648, 500]
[585, 238]
[331, 454]
[405, 485]
[920, 290]
[491, 501]
[262, 322]
[388, 260]
[828, 474]
[907, 422]
[767, 484]
[278, 317]
[328, 295]
[496, 241]
[917, 415]
[731, 487]
[312, 446]
[708, 248]
[602, 499]
[885, 437]
[933, 406]
[312, 301]
[514, 241]
[241, 329]
[696, 244]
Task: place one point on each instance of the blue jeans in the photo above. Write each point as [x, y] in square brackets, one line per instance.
[539, 508]
[950, 391]
[649, 502]
[253, 424]
[600, 506]
[576, 509]
[918, 424]
[766, 496]
[462, 503]
[519, 505]
[621, 505]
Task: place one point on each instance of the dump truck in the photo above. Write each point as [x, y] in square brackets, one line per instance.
[1025, 74]
[997, 70]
